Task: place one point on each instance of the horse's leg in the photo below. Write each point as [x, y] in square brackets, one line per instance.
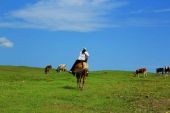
[80, 83]
[83, 82]
[84, 77]
[77, 81]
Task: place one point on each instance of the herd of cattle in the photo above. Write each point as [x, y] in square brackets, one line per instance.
[165, 70]
[60, 68]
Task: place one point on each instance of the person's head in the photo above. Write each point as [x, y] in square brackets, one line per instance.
[84, 50]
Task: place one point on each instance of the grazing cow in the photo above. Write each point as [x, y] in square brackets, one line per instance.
[167, 69]
[81, 73]
[47, 69]
[61, 67]
[141, 70]
[160, 70]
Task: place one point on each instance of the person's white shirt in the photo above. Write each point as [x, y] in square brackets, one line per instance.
[83, 56]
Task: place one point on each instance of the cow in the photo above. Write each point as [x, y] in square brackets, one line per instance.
[167, 69]
[160, 70]
[61, 67]
[141, 71]
[47, 69]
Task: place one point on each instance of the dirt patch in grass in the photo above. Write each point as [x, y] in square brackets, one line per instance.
[151, 105]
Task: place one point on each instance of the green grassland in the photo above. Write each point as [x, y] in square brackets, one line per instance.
[29, 90]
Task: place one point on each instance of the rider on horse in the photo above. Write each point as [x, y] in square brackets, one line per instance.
[83, 57]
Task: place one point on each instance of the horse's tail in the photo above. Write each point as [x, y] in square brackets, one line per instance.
[82, 72]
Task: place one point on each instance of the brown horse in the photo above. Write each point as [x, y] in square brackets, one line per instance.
[47, 69]
[81, 73]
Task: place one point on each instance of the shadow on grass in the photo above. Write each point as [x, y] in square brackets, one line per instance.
[69, 87]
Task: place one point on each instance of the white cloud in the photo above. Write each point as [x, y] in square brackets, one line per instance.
[4, 42]
[146, 18]
[64, 15]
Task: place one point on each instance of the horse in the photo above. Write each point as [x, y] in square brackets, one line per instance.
[160, 70]
[141, 70]
[47, 69]
[81, 73]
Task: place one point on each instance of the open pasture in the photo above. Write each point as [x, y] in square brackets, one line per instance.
[29, 90]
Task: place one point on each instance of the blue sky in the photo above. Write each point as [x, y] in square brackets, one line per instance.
[119, 34]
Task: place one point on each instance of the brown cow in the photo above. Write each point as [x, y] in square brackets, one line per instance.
[47, 69]
[167, 69]
[141, 70]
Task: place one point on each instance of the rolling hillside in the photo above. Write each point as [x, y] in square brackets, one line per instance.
[29, 90]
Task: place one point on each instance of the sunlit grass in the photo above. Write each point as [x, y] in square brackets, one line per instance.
[29, 90]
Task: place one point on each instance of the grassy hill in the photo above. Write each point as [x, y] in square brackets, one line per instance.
[29, 90]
